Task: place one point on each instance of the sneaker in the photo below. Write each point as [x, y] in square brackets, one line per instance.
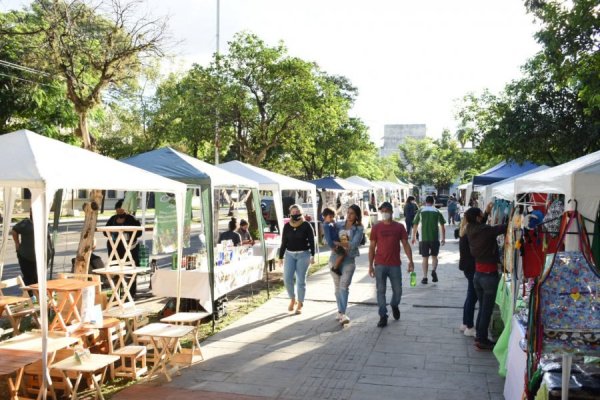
[382, 322]
[470, 332]
[434, 276]
[484, 344]
[424, 281]
[344, 319]
[463, 327]
[338, 316]
[396, 313]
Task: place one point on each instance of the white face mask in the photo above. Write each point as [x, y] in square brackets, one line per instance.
[386, 216]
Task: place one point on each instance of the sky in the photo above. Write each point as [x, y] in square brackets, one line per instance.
[410, 59]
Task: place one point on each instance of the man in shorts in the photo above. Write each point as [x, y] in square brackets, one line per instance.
[429, 218]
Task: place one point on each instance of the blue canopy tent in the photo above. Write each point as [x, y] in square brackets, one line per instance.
[197, 174]
[502, 171]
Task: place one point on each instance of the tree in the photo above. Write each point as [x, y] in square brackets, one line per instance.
[91, 48]
[552, 114]
[433, 162]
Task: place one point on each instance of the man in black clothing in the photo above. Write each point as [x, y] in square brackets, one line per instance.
[121, 218]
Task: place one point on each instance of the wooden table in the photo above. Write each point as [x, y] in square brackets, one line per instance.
[168, 335]
[124, 299]
[71, 290]
[192, 319]
[116, 236]
[130, 316]
[87, 367]
[32, 342]
[16, 361]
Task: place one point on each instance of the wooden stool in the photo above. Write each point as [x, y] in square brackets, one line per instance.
[129, 355]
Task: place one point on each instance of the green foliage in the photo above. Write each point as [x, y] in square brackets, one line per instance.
[434, 162]
[552, 114]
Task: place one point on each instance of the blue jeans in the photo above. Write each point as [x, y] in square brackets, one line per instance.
[296, 263]
[486, 286]
[382, 272]
[409, 224]
[470, 301]
[342, 282]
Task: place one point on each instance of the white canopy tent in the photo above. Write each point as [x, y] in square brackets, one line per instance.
[577, 179]
[378, 190]
[273, 182]
[505, 189]
[43, 165]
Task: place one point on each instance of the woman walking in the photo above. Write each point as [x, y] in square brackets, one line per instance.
[298, 248]
[351, 232]
[410, 210]
[466, 264]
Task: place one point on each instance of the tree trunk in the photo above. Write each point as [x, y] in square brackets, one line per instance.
[86, 241]
[253, 217]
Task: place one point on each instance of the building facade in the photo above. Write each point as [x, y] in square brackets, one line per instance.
[395, 135]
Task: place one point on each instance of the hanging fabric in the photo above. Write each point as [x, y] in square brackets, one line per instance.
[596, 238]
[552, 218]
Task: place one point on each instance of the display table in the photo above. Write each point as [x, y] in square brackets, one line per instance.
[516, 362]
[15, 361]
[70, 291]
[195, 284]
[86, 368]
[192, 319]
[116, 235]
[165, 339]
[121, 291]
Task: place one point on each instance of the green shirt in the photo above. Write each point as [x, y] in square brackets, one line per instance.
[429, 218]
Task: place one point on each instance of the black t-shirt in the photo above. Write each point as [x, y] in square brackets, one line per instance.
[299, 238]
[230, 235]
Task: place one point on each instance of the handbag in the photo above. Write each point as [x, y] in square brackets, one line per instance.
[569, 291]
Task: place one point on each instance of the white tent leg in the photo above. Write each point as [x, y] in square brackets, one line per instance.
[9, 200]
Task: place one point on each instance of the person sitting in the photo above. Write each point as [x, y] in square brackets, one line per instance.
[231, 234]
[245, 234]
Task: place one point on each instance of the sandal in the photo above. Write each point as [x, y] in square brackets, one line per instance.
[291, 306]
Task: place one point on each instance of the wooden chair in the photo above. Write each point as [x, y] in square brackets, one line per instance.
[17, 312]
[130, 354]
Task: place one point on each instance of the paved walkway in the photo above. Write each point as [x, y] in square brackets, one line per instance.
[271, 354]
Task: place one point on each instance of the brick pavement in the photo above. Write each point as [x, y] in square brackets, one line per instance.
[271, 354]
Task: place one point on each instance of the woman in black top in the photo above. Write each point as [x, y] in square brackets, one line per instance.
[466, 264]
[298, 248]
[231, 234]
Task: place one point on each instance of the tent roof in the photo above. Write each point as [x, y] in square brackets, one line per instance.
[559, 179]
[391, 185]
[266, 178]
[333, 183]
[505, 189]
[364, 182]
[30, 160]
[502, 171]
[181, 167]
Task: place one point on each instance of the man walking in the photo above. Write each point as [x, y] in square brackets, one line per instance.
[384, 260]
[429, 217]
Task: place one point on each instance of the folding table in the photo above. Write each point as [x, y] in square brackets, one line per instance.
[85, 367]
[16, 361]
[168, 335]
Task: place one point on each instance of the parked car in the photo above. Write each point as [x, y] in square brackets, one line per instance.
[441, 200]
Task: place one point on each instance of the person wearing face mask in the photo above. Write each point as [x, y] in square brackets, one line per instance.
[484, 248]
[244, 234]
[384, 260]
[298, 248]
[429, 218]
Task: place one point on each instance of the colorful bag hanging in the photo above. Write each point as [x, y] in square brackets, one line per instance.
[553, 217]
[569, 291]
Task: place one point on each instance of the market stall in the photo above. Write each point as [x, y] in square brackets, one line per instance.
[505, 189]
[552, 206]
[274, 183]
[207, 178]
[338, 193]
[43, 165]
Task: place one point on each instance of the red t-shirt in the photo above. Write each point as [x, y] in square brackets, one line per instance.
[388, 237]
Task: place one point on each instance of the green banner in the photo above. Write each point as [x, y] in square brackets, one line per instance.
[165, 222]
